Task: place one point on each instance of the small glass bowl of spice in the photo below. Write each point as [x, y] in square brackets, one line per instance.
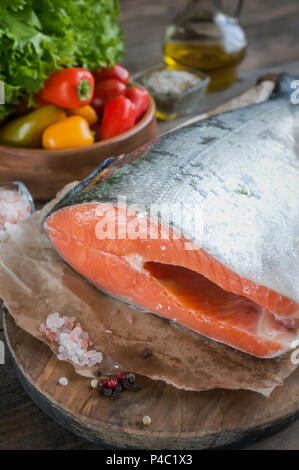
[16, 204]
[177, 91]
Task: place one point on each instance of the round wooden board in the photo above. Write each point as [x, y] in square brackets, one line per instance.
[180, 419]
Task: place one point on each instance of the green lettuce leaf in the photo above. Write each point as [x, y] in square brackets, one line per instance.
[38, 37]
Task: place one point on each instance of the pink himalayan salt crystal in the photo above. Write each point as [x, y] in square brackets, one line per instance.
[73, 342]
[14, 207]
[51, 335]
[69, 322]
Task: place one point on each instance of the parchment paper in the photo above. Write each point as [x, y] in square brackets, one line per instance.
[35, 282]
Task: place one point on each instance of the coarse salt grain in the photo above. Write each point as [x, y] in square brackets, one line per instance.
[73, 342]
[14, 208]
[63, 381]
[54, 322]
[169, 82]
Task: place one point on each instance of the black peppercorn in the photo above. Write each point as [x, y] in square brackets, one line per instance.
[116, 394]
[107, 392]
[125, 384]
[147, 353]
[136, 387]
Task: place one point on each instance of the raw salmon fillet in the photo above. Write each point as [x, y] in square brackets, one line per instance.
[161, 276]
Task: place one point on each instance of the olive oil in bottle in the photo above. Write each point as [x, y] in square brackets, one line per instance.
[206, 38]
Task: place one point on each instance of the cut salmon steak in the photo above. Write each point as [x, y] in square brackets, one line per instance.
[228, 268]
[171, 278]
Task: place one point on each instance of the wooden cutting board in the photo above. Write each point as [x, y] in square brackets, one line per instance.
[179, 419]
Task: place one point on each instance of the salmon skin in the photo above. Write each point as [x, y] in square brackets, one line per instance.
[219, 253]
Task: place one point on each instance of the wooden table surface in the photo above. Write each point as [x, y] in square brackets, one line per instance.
[272, 29]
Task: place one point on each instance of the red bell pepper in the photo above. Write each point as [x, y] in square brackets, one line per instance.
[105, 91]
[68, 88]
[140, 97]
[119, 116]
[118, 72]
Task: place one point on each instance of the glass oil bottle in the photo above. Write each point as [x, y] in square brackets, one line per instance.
[207, 38]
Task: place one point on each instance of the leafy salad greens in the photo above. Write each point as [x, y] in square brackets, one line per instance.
[38, 37]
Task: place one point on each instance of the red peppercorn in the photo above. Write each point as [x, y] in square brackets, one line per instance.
[103, 383]
[121, 376]
[90, 389]
[112, 382]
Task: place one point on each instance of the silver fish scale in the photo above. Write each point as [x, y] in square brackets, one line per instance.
[237, 175]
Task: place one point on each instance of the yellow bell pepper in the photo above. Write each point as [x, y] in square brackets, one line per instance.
[73, 132]
[87, 112]
[27, 130]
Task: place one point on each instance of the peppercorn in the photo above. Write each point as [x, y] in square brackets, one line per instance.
[119, 387]
[136, 387]
[146, 420]
[121, 376]
[103, 383]
[107, 392]
[112, 382]
[131, 378]
[116, 394]
[147, 353]
[94, 383]
[99, 373]
[125, 385]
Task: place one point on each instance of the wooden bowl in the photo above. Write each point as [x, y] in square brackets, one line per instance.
[45, 172]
